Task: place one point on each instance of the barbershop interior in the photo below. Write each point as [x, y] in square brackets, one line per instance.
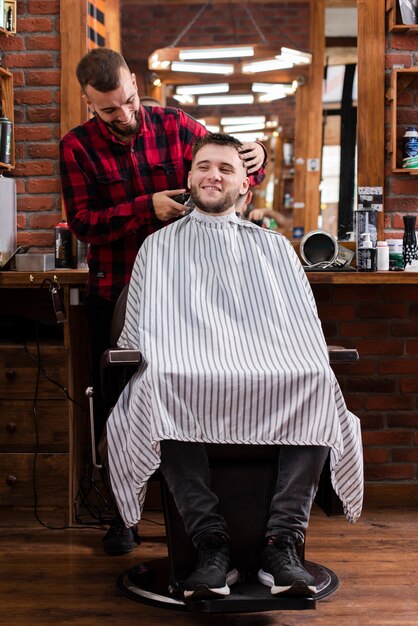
[219, 426]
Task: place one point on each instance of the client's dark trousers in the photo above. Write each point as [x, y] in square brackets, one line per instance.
[186, 470]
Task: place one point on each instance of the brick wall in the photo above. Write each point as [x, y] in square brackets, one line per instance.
[382, 388]
[33, 57]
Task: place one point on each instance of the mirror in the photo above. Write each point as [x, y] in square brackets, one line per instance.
[137, 45]
[288, 24]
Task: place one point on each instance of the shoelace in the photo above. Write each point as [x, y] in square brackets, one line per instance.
[285, 553]
[213, 551]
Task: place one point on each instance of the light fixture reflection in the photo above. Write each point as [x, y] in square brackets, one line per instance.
[216, 53]
[200, 89]
[243, 119]
[230, 99]
[203, 68]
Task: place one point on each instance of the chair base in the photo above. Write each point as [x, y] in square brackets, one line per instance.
[148, 583]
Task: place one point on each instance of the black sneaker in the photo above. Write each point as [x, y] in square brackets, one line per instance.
[213, 573]
[282, 570]
[119, 539]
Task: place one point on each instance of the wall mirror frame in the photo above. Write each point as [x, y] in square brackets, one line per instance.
[371, 87]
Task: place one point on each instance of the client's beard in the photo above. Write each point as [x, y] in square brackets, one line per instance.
[216, 206]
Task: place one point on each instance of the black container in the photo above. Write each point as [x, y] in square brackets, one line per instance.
[5, 140]
[410, 247]
[63, 246]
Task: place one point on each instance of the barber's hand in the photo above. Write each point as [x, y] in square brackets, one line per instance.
[256, 215]
[253, 155]
[165, 207]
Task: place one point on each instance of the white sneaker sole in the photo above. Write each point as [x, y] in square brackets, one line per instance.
[203, 591]
[298, 587]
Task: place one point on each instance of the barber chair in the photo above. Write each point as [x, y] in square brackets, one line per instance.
[243, 476]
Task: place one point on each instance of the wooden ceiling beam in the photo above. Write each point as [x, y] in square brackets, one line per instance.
[328, 3]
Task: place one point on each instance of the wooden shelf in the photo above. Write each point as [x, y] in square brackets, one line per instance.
[7, 106]
[402, 80]
[395, 23]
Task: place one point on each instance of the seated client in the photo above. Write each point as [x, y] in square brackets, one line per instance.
[233, 352]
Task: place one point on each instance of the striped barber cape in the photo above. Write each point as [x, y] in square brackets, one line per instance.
[233, 352]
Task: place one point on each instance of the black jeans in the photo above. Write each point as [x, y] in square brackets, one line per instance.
[186, 470]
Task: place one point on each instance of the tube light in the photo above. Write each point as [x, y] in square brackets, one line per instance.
[216, 53]
[243, 119]
[184, 98]
[247, 137]
[269, 87]
[243, 128]
[203, 68]
[231, 99]
[297, 57]
[265, 66]
[198, 89]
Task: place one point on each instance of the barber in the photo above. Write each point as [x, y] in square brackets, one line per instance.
[120, 172]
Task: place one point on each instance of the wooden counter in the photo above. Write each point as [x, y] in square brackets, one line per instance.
[78, 278]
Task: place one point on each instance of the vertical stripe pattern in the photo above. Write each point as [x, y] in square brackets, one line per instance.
[233, 349]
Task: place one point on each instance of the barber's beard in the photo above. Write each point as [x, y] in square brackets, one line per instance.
[125, 131]
[214, 206]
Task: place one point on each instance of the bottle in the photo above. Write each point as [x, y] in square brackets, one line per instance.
[409, 242]
[395, 254]
[63, 246]
[5, 140]
[382, 253]
[366, 259]
[410, 148]
[9, 19]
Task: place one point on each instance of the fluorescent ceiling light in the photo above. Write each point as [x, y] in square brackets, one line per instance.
[243, 128]
[184, 98]
[272, 95]
[295, 56]
[231, 99]
[197, 89]
[265, 66]
[203, 68]
[268, 87]
[212, 128]
[243, 119]
[216, 53]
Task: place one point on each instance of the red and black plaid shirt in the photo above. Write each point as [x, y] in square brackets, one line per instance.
[107, 187]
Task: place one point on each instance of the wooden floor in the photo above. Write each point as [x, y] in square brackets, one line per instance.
[63, 577]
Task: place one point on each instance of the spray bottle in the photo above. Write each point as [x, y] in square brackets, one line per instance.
[366, 258]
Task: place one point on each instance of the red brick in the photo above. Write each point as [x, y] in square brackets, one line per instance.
[404, 329]
[34, 24]
[371, 385]
[21, 150]
[389, 472]
[403, 41]
[401, 293]
[405, 455]
[43, 77]
[34, 203]
[43, 185]
[21, 221]
[389, 402]
[34, 168]
[403, 420]
[20, 186]
[398, 366]
[354, 402]
[412, 348]
[409, 385]
[34, 59]
[382, 310]
[398, 59]
[382, 347]
[32, 133]
[356, 293]
[43, 42]
[386, 438]
[18, 78]
[404, 186]
[42, 150]
[336, 311]
[32, 96]
[44, 114]
[364, 329]
[44, 220]
[376, 455]
[41, 239]
[416, 439]
[364, 367]
[12, 43]
[371, 421]
[43, 7]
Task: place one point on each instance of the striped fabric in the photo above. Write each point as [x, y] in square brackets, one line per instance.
[233, 349]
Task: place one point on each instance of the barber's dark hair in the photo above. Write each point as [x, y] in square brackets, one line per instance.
[220, 139]
[99, 68]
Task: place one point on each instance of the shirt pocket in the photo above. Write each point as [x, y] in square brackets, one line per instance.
[168, 175]
[114, 187]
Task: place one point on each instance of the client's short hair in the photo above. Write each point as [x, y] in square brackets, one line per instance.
[99, 68]
[220, 139]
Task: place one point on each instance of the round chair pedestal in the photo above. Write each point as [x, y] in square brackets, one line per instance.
[148, 583]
